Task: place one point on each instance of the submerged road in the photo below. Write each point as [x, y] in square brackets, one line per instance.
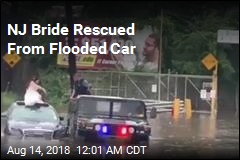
[199, 137]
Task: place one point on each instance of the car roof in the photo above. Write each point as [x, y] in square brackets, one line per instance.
[22, 103]
[109, 97]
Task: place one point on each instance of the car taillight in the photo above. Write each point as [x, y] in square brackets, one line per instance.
[125, 131]
[131, 130]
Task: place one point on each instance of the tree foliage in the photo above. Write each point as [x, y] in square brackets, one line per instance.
[41, 60]
[186, 41]
[56, 81]
[190, 46]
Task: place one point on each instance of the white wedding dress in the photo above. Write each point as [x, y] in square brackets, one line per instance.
[32, 97]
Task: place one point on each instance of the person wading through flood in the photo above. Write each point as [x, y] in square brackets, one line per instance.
[81, 87]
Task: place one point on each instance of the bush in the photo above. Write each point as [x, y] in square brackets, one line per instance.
[57, 84]
[7, 98]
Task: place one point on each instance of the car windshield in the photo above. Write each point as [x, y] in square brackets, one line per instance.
[41, 114]
[101, 107]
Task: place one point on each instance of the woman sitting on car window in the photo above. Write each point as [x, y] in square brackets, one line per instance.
[32, 94]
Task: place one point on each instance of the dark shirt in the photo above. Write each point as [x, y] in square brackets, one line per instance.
[80, 89]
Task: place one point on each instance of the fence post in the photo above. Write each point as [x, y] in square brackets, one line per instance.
[168, 83]
[125, 88]
[111, 79]
[175, 87]
[159, 86]
[185, 88]
[119, 88]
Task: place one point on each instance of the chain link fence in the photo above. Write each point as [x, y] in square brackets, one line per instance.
[146, 86]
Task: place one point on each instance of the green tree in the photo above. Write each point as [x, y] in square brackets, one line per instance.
[56, 81]
[199, 39]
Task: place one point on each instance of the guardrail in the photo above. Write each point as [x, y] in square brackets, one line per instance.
[162, 106]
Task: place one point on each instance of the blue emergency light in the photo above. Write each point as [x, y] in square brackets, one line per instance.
[104, 129]
[101, 128]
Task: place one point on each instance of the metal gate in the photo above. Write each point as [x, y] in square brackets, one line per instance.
[146, 86]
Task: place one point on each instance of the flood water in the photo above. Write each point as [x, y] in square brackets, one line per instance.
[202, 136]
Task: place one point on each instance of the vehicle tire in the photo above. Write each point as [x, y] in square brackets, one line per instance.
[5, 131]
[86, 140]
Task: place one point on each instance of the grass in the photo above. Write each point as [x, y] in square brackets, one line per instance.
[7, 98]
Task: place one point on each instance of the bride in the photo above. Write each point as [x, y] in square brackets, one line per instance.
[32, 95]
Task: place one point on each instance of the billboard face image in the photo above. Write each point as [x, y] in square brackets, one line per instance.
[146, 57]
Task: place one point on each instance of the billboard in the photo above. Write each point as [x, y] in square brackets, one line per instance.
[146, 57]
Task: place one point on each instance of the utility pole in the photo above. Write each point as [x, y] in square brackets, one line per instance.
[72, 57]
[160, 58]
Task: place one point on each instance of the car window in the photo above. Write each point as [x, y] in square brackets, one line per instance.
[133, 109]
[117, 106]
[103, 106]
[42, 114]
[94, 107]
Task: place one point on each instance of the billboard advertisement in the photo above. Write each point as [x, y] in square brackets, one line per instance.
[146, 56]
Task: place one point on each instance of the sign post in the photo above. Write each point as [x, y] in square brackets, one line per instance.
[11, 59]
[210, 62]
[214, 93]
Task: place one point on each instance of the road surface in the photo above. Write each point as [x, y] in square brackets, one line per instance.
[199, 137]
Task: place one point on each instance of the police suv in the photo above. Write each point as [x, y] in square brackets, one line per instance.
[107, 118]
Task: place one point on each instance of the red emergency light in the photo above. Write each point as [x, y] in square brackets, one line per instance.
[125, 131]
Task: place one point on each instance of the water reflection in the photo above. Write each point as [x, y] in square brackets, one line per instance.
[199, 126]
[207, 126]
